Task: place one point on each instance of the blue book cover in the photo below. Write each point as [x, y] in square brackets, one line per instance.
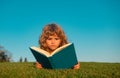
[63, 57]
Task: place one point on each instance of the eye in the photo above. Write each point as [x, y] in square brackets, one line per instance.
[49, 39]
[57, 38]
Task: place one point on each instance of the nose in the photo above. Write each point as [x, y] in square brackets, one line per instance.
[53, 41]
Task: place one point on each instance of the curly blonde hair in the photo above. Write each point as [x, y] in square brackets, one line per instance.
[49, 30]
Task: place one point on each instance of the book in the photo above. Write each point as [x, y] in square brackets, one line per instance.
[63, 57]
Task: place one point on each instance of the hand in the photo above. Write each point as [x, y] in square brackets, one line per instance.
[77, 66]
[38, 65]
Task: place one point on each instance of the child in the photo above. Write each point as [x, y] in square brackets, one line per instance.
[53, 37]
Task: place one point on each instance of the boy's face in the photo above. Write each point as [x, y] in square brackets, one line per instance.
[53, 42]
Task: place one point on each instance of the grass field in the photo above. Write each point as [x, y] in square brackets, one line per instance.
[87, 70]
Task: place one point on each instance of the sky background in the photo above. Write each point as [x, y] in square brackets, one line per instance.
[92, 25]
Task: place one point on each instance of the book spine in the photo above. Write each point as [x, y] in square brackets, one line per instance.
[51, 63]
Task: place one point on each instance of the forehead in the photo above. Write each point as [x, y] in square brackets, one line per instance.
[53, 35]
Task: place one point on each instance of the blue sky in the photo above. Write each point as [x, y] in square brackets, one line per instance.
[92, 25]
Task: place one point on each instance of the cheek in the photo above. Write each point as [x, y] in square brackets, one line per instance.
[47, 42]
[59, 42]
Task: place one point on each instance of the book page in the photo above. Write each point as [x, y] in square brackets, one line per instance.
[37, 49]
[60, 48]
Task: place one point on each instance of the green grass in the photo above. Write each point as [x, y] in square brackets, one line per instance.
[87, 70]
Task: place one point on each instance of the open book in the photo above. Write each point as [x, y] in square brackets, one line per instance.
[62, 57]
